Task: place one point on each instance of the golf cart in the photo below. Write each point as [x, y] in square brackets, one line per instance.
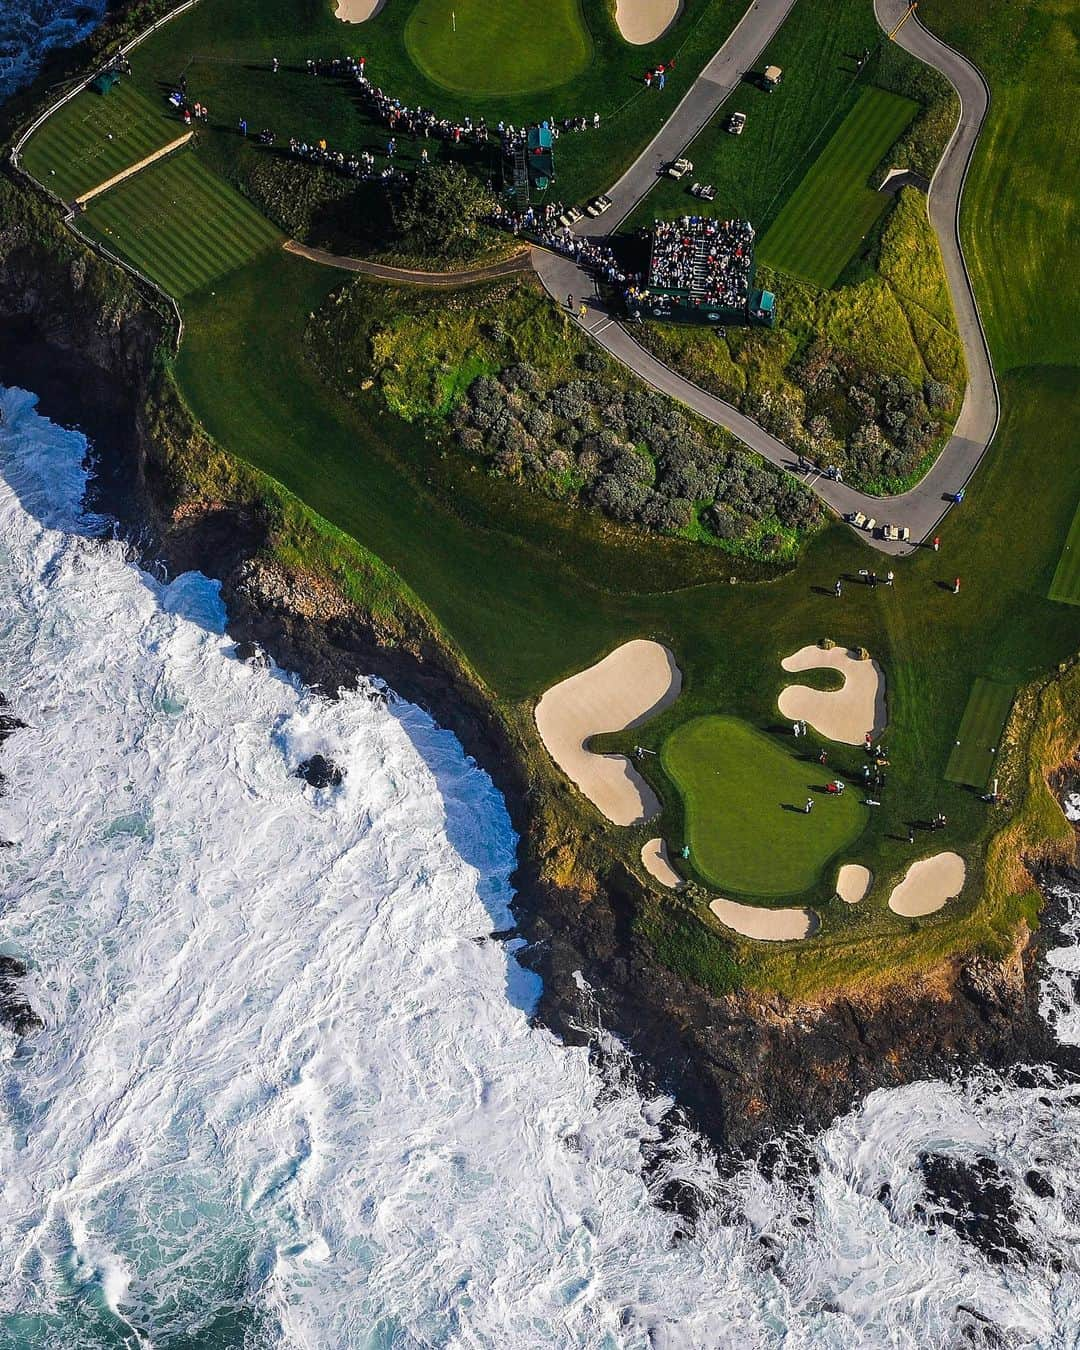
[679, 168]
[771, 78]
[736, 122]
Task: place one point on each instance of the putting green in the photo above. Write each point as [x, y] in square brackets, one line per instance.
[744, 799]
[510, 47]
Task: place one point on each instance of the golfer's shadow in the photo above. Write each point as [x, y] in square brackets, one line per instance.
[944, 585]
[799, 810]
[823, 590]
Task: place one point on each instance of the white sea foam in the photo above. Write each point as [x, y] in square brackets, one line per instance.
[287, 1080]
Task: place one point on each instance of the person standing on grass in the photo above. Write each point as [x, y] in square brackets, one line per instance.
[911, 834]
[661, 80]
[243, 126]
[837, 589]
[937, 543]
[956, 586]
[809, 805]
[275, 64]
[795, 730]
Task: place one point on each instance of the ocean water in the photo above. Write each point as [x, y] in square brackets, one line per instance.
[31, 28]
[290, 1093]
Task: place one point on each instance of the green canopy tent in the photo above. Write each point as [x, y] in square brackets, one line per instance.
[102, 83]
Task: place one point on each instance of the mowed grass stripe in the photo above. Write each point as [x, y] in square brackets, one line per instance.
[973, 755]
[175, 257]
[831, 210]
[72, 152]
[1066, 583]
[181, 224]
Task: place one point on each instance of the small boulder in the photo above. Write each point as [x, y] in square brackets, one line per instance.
[320, 772]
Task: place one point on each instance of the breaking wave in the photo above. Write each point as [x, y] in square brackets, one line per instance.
[290, 1092]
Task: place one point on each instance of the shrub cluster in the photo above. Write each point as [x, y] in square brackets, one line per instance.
[875, 426]
[630, 454]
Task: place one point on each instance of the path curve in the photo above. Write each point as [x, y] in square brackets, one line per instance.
[923, 507]
[409, 276]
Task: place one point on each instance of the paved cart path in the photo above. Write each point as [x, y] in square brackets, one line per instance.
[923, 506]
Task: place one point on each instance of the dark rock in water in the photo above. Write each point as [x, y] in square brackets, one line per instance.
[976, 1199]
[320, 772]
[15, 1011]
[8, 724]
[1039, 1185]
[977, 1331]
[253, 654]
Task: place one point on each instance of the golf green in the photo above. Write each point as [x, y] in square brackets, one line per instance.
[745, 820]
[513, 47]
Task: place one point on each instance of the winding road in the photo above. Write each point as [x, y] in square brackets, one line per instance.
[921, 508]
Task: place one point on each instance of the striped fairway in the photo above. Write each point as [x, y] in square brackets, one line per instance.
[180, 223]
[972, 758]
[1066, 583]
[96, 136]
[827, 217]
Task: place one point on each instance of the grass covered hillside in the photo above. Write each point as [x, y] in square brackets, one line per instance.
[501, 379]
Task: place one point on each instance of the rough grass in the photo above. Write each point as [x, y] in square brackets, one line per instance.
[978, 739]
[744, 799]
[1021, 209]
[180, 224]
[1066, 583]
[513, 47]
[96, 136]
[827, 217]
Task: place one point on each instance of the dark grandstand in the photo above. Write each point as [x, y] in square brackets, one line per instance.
[702, 271]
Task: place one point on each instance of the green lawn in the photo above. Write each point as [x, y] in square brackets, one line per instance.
[513, 47]
[180, 224]
[786, 129]
[829, 214]
[96, 136]
[975, 752]
[225, 47]
[1066, 583]
[744, 799]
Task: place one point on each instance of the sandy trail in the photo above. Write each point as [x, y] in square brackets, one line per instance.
[626, 688]
[928, 885]
[852, 882]
[357, 11]
[654, 857]
[642, 21]
[133, 169]
[846, 714]
[766, 925]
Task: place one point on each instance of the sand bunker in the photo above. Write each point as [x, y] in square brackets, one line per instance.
[626, 688]
[852, 882]
[654, 856]
[767, 925]
[928, 884]
[845, 714]
[642, 21]
[357, 11]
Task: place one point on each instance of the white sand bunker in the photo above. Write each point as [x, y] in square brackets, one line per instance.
[928, 884]
[845, 714]
[642, 21]
[852, 882]
[654, 856]
[357, 11]
[626, 688]
[767, 925]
